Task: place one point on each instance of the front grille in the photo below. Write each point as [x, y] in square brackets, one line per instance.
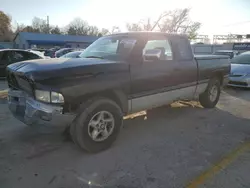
[12, 82]
[238, 83]
[18, 83]
[24, 84]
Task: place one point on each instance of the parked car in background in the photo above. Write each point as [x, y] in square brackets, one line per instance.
[41, 54]
[51, 52]
[9, 56]
[230, 53]
[63, 51]
[117, 75]
[72, 54]
[38, 49]
[240, 71]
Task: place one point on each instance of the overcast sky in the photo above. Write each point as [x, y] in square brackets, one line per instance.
[216, 16]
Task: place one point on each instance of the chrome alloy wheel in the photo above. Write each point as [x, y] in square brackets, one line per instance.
[213, 93]
[101, 126]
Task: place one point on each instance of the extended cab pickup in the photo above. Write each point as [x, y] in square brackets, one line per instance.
[117, 75]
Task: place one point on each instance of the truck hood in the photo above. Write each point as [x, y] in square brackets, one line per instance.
[40, 69]
[240, 69]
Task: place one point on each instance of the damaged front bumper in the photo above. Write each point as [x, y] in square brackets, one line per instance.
[32, 112]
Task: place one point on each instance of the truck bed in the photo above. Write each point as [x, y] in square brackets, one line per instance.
[209, 65]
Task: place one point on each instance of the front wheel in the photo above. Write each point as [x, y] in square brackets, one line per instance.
[210, 97]
[97, 125]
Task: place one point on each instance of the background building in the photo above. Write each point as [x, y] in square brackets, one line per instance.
[25, 40]
[211, 48]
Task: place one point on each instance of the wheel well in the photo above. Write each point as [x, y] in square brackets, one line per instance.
[219, 75]
[73, 107]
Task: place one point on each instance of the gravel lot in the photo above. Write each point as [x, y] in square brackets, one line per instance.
[169, 147]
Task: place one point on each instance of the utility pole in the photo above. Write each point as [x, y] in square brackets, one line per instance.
[48, 24]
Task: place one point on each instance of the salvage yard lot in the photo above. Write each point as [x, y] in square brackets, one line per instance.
[168, 147]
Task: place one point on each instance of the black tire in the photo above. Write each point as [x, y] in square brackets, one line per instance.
[72, 132]
[205, 99]
[79, 128]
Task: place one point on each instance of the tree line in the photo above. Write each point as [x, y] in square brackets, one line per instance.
[174, 21]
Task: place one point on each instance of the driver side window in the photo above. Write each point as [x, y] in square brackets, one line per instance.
[161, 44]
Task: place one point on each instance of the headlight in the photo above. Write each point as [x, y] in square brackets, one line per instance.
[42, 95]
[47, 96]
[56, 97]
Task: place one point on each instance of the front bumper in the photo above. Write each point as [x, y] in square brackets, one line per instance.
[241, 81]
[32, 112]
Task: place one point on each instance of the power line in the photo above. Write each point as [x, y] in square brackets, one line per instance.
[237, 23]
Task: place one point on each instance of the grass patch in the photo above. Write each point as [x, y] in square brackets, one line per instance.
[3, 94]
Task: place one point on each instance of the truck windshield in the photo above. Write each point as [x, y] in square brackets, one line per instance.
[113, 48]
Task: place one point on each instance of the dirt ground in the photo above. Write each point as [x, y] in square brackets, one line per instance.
[168, 147]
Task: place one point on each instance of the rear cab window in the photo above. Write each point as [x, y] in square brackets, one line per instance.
[183, 48]
[162, 43]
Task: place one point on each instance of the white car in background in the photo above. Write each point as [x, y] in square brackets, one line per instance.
[41, 54]
[240, 71]
[74, 54]
[10, 56]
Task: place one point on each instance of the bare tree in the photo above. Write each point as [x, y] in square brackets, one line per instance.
[29, 28]
[93, 31]
[78, 27]
[40, 25]
[104, 32]
[5, 27]
[192, 29]
[115, 29]
[175, 21]
[19, 28]
[25, 28]
[55, 30]
[134, 27]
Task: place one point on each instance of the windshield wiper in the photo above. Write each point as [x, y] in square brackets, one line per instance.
[98, 57]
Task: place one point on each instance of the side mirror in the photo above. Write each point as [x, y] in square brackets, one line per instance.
[152, 55]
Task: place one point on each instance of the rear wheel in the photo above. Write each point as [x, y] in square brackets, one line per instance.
[210, 97]
[97, 126]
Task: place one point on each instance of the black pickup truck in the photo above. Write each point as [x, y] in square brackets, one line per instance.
[117, 75]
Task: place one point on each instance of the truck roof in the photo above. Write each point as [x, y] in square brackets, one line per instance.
[141, 33]
[209, 56]
[225, 51]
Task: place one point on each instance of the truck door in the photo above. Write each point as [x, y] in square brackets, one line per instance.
[160, 81]
[185, 63]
